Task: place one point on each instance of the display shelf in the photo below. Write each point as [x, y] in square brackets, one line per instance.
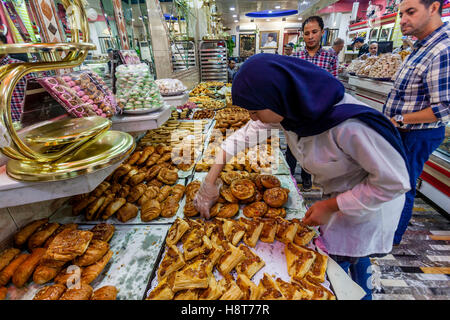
[15, 193]
[183, 55]
[213, 61]
[134, 123]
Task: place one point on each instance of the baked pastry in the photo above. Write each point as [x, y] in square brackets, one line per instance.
[187, 295]
[192, 188]
[79, 206]
[232, 290]
[304, 234]
[96, 250]
[253, 229]
[46, 271]
[148, 150]
[127, 212]
[134, 158]
[69, 276]
[136, 192]
[269, 181]
[152, 159]
[226, 193]
[286, 230]
[214, 255]
[269, 288]
[153, 171]
[68, 244]
[176, 231]
[251, 264]
[53, 292]
[90, 273]
[109, 198]
[71, 226]
[255, 209]
[122, 170]
[84, 292]
[8, 271]
[38, 238]
[22, 236]
[276, 197]
[269, 230]
[128, 176]
[299, 260]
[7, 256]
[3, 293]
[137, 178]
[150, 193]
[113, 207]
[103, 232]
[172, 261]
[100, 189]
[27, 267]
[228, 210]
[115, 187]
[275, 212]
[233, 231]
[250, 290]
[195, 243]
[230, 259]
[228, 177]
[155, 182]
[163, 193]
[163, 291]
[164, 157]
[290, 291]
[215, 209]
[170, 206]
[124, 191]
[192, 276]
[178, 191]
[319, 292]
[319, 268]
[242, 188]
[168, 176]
[93, 207]
[105, 293]
[189, 209]
[150, 210]
[213, 292]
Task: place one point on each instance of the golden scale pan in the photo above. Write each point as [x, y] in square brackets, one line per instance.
[60, 148]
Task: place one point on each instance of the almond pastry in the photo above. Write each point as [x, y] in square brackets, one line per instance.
[255, 209]
[250, 290]
[299, 260]
[172, 261]
[176, 231]
[276, 197]
[286, 230]
[253, 229]
[242, 188]
[251, 264]
[233, 231]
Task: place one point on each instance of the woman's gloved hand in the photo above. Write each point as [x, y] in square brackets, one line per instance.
[206, 197]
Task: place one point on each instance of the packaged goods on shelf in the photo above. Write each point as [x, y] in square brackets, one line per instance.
[386, 66]
[136, 89]
[170, 87]
[82, 93]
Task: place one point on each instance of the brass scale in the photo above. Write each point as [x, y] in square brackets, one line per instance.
[64, 148]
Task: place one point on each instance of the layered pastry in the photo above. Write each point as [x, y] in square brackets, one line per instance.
[319, 291]
[153, 172]
[275, 212]
[250, 290]
[270, 289]
[230, 259]
[163, 291]
[255, 209]
[7, 256]
[150, 210]
[38, 238]
[319, 268]
[286, 230]
[93, 271]
[228, 210]
[173, 261]
[187, 295]
[233, 231]
[168, 176]
[113, 207]
[22, 236]
[192, 276]
[299, 260]
[304, 234]
[95, 251]
[105, 293]
[7, 272]
[195, 242]
[136, 192]
[268, 181]
[71, 226]
[251, 264]
[53, 292]
[83, 292]
[213, 292]
[291, 291]
[103, 232]
[127, 212]
[276, 197]
[226, 193]
[164, 192]
[253, 229]
[46, 271]
[176, 231]
[269, 230]
[69, 244]
[232, 290]
[146, 152]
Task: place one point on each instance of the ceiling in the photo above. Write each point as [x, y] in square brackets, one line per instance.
[244, 6]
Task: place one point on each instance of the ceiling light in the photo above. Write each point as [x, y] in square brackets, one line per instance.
[236, 21]
[299, 18]
[231, 8]
[234, 15]
[277, 7]
[267, 19]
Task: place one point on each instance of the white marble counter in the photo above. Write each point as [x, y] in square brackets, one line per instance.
[142, 122]
[176, 101]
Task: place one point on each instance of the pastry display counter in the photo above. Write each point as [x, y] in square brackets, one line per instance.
[141, 122]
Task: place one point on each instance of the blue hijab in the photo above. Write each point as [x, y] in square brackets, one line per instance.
[305, 95]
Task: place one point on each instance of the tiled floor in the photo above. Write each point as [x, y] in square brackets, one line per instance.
[418, 268]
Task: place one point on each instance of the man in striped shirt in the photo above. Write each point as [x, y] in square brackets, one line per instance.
[418, 105]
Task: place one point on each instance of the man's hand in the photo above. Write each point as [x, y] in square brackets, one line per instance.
[321, 212]
[394, 122]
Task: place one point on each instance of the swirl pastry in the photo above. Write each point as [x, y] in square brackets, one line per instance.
[134, 158]
[153, 172]
[152, 159]
[228, 210]
[269, 181]
[168, 176]
[228, 195]
[147, 152]
[178, 191]
[255, 209]
[189, 209]
[242, 188]
[150, 210]
[127, 212]
[228, 177]
[276, 197]
[169, 207]
[192, 188]
[164, 192]
[275, 212]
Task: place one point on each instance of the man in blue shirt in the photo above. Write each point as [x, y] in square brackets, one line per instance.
[418, 105]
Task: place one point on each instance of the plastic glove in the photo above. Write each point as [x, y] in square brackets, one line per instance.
[206, 197]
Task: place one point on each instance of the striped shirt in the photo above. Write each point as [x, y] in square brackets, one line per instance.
[323, 58]
[424, 80]
[18, 95]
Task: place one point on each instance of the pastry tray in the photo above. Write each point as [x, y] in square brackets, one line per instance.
[64, 215]
[136, 250]
[271, 253]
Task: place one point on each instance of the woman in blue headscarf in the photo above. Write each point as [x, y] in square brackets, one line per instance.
[351, 150]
